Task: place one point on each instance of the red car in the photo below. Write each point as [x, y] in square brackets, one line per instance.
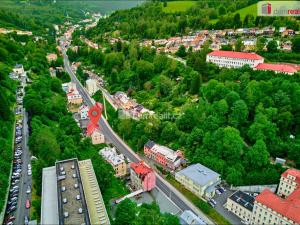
[27, 204]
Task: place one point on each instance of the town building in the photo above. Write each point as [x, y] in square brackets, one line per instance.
[163, 155]
[71, 194]
[142, 176]
[83, 111]
[18, 69]
[230, 59]
[51, 57]
[199, 179]
[277, 68]
[91, 86]
[69, 87]
[124, 101]
[289, 182]
[97, 137]
[190, 218]
[116, 160]
[283, 208]
[241, 204]
[269, 208]
[74, 98]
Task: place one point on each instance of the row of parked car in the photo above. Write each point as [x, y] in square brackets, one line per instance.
[17, 167]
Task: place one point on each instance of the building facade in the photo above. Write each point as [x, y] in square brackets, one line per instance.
[230, 59]
[142, 176]
[283, 208]
[241, 204]
[289, 182]
[116, 160]
[74, 98]
[97, 137]
[199, 179]
[18, 69]
[91, 86]
[163, 155]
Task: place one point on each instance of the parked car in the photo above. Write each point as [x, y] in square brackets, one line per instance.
[218, 192]
[29, 172]
[28, 189]
[27, 204]
[213, 201]
[26, 220]
[10, 223]
[10, 219]
[11, 209]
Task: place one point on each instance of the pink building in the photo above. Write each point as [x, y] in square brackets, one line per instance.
[277, 68]
[163, 155]
[142, 176]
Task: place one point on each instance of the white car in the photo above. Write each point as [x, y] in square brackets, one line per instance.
[29, 172]
[29, 166]
[218, 192]
[28, 189]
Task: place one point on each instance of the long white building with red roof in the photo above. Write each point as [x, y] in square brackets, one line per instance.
[283, 208]
[231, 59]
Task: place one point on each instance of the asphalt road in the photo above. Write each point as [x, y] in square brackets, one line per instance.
[111, 136]
[25, 180]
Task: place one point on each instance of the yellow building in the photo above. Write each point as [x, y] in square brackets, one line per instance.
[97, 137]
[241, 204]
[117, 161]
[199, 179]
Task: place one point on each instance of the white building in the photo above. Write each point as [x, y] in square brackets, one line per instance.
[97, 137]
[18, 69]
[91, 86]
[189, 218]
[116, 160]
[232, 59]
[83, 111]
[199, 179]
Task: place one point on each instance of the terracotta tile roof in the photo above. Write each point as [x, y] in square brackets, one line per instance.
[283, 68]
[237, 55]
[289, 207]
[294, 173]
[140, 168]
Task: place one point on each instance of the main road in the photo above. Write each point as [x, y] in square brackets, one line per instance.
[181, 201]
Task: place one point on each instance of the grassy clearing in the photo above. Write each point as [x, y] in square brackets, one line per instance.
[249, 10]
[178, 6]
[202, 205]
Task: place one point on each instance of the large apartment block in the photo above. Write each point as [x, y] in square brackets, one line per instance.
[163, 155]
[71, 195]
[268, 207]
[232, 59]
[199, 179]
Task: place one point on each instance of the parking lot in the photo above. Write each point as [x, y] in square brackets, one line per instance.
[220, 200]
[18, 204]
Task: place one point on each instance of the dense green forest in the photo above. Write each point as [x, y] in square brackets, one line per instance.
[10, 53]
[235, 121]
[149, 21]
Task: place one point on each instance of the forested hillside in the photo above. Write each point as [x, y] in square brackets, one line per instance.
[10, 52]
[151, 21]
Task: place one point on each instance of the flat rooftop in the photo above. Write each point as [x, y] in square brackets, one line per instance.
[199, 174]
[49, 209]
[243, 199]
[72, 206]
[93, 197]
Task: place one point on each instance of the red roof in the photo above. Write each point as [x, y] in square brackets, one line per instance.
[140, 168]
[238, 55]
[294, 173]
[289, 207]
[283, 68]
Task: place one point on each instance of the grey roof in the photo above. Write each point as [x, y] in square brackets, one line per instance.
[199, 174]
[18, 66]
[243, 199]
[150, 144]
[189, 218]
[49, 206]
